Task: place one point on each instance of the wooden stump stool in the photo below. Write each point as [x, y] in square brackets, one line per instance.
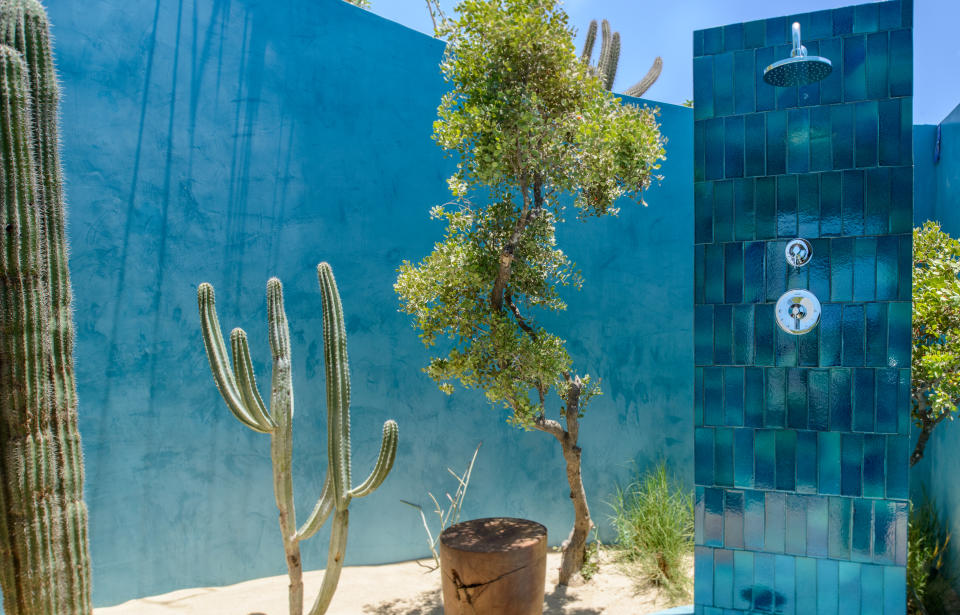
[494, 566]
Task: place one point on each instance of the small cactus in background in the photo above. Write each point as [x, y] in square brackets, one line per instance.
[239, 389]
[44, 552]
[606, 68]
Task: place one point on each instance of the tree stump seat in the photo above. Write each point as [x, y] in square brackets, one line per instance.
[493, 566]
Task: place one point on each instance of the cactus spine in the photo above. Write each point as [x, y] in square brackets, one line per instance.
[44, 553]
[238, 388]
[606, 68]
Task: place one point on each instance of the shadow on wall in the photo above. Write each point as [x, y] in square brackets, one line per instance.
[227, 141]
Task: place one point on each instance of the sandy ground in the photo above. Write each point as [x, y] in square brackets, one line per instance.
[393, 589]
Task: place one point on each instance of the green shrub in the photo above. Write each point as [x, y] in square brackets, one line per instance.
[929, 588]
[653, 517]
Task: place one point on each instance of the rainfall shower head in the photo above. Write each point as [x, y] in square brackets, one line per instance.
[799, 68]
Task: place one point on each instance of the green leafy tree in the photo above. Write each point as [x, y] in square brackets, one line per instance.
[529, 123]
[935, 374]
[364, 4]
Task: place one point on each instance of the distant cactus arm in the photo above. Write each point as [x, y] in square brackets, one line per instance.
[219, 364]
[321, 511]
[338, 384]
[605, 41]
[589, 42]
[644, 84]
[608, 67]
[388, 452]
[246, 381]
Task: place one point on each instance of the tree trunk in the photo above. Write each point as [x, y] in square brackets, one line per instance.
[575, 546]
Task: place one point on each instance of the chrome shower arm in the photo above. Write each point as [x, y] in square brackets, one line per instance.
[798, 49]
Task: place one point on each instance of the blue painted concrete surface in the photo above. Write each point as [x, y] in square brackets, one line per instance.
[231, 140]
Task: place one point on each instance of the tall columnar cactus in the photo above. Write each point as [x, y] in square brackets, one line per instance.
[44, 553]
[606, 67]
[238, 388]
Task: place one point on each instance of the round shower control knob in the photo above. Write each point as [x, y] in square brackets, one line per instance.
[799, 252]
[798, 311]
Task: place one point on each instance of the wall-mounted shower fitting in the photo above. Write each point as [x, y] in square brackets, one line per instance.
[799, 68]
[799, 252]
[798, 311]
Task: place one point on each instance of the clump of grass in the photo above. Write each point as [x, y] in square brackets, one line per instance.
[653, 518]
[930, 590]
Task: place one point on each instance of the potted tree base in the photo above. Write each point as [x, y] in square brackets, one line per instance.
[494, 566]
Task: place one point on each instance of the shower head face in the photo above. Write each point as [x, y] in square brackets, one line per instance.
[799, 70]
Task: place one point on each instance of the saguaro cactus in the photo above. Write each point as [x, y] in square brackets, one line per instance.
[609, 59]
[44, 554]
[238, 388]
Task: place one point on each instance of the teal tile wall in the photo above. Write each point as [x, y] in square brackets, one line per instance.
[802, 442]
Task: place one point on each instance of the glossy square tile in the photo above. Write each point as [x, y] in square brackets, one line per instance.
[828, 587]
[723, 84]
[871, 583]
[889, 131]
[831, 340]
[698, 273]
[831, 88]
[849, 582]
[703, 575]
[821, 145]
[877, 66]
[744, 226]
[888, 408]
[778, 31]
[808, 206]
[776, 270]
[841, 274]
[742, 580]
[699, 494]
[806, 585]
[898, 468]
[703, 212]
[905, 264]
[828, 462]
[796, 524]
[894, 590]
[898, 334]
[733, 37]
[713, 41]
[723, 578]
[901, 199]
[698, 396]
[698, 151]
[764, 583]
[889, 16]
[843, 20]
[733, 396]
[885, 532]
[697, 43]
[808, 346]
[786, 576]
[754, 34]
[755, 145]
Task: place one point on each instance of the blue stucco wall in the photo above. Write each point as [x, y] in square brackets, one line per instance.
[938, 198]
[802, 441]
[231, 140]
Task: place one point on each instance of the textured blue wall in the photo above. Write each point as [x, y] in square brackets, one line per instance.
[231, 140]
[938, 198]
[802, 441]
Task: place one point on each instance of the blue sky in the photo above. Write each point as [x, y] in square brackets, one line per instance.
[664, 28]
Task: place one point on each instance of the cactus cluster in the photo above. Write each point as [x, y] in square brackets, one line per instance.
[238, 387]
[44, 552]
[606, 67]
